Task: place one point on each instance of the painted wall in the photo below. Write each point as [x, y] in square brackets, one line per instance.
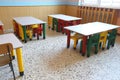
[40, 12]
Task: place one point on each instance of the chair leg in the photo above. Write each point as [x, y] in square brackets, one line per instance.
[88, 50]
[100, 45]
[11, 66]
[113, 42]
[75, 43]
[104, 44]
[81, 47]
[108, 45]
[96, 49]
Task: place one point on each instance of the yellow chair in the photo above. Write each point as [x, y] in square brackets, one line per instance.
[49, 22]
[76, 37]
[28, 32]
[103, 39]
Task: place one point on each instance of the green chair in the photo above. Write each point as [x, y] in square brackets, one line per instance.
[111, 38]
[93, 41]
[55, 24]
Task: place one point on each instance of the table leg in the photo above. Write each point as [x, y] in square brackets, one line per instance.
[20, 61]
[68, 38]
[25, 35]
[84, 45]
[44, 31]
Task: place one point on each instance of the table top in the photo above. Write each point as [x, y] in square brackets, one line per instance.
[1, 23]
[28, 20]
[91, 28]
[64, 17]
[10, 38]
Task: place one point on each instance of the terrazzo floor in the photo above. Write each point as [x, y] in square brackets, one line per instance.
[49, 59]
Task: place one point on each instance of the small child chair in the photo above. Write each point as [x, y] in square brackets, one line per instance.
[5, 56]
[37, 29]
[49, 21]
[93, 41]
[111, 38]
[76, 37]
[55, 24]
[103, 39]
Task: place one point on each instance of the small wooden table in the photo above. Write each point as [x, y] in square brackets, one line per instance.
[17, 45]
[65, 18]
[88, 29]
[1, 27]
[28, 20]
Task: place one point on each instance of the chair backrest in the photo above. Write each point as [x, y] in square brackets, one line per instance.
[103, 36]
[55, 21]
[35, 26]
[94, 38]
[49, 20]
[113, 33]
[6, 48]
[5, 56]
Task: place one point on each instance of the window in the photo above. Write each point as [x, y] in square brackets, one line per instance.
[88, 2]
[106, 3]
[101, 3]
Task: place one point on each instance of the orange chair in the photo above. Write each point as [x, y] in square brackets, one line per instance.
[49, 22]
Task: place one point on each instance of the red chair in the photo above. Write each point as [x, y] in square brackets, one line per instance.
[16, 28]
[1, 30]
[60, 25]
[37, 29]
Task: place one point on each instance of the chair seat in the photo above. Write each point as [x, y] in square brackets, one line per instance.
[4, 60]
[76, 36]
[35, 26]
